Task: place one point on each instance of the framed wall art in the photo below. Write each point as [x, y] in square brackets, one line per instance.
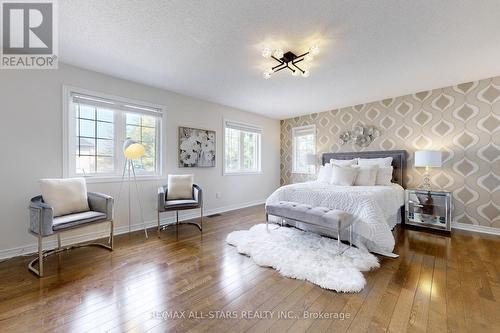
[196, 148]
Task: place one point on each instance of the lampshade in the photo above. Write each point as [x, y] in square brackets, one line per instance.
[311, 159]
[428, 158]
[133, 150]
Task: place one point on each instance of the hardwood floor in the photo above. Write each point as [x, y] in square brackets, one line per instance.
[437, 284]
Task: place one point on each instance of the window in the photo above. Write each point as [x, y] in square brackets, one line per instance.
[98, 125]
[241, 148]
[143, 129]
[304, 147]
[94, 139]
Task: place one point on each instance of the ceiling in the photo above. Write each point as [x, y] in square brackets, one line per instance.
[211, 49]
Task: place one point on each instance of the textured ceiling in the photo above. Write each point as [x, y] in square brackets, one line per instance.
[210, 49]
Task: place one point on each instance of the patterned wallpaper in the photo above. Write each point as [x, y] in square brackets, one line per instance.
[462, 121]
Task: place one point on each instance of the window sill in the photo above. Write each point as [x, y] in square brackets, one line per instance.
[303, 173]
[242, 173]
[118, 179]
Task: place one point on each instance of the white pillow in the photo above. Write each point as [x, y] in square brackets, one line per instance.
[384, 176]
[343, 162]
[65, 196]
[325, 173]
[180, 187]
[343, 176]
[367, 175]
[381, 162]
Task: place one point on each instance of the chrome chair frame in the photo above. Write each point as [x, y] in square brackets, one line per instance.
[163, 207]
[38, 215]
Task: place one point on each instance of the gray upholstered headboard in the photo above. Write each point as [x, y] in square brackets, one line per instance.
[398, 161]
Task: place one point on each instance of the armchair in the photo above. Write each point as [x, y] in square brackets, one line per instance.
[165, 205]
[44, 224]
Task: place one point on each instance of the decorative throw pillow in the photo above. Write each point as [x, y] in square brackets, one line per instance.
[180, 187]
[367, 175]
[343, 162]
[65, 196]
[384, 162]
[325, 173]
[384, 176]
[343, 176]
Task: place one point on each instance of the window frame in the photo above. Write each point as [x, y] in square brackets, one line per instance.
[312, 128]
[257, 129]
[119, 119]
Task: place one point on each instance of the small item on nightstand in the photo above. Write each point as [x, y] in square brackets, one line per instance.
[427, 203]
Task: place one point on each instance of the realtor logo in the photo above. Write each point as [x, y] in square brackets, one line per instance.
[29, 39]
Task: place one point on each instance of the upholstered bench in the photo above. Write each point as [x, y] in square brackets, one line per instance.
[319, 216]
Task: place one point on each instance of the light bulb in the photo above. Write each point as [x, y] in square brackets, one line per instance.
[267, 52]
[308, 58]
[305, 73]
[278, 53]
[314, 50]
[267, 74]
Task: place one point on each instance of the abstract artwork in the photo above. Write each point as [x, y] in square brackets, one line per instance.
[196, 148]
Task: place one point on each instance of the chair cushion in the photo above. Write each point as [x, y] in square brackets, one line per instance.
[77, 219]
[180, 187]
[65, 196]
[180, 203]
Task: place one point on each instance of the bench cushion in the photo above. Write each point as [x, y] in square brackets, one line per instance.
[321, 216]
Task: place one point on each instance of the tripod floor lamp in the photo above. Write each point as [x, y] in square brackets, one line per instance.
[132, 151]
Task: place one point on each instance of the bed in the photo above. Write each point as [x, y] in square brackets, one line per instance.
[376, 209]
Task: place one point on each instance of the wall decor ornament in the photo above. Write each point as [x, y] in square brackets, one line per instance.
[196, 148]
[361, 136]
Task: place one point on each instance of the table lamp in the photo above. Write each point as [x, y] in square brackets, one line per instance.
[311, 162]
[427, 159]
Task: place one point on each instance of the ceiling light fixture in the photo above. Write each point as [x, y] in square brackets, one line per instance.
[314, 50]
[278, 53]
[288, 60]
[267, 73]
[267, 53]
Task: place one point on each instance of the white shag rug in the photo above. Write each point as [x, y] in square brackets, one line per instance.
[305, 256]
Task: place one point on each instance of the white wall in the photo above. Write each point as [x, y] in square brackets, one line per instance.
[31, 141]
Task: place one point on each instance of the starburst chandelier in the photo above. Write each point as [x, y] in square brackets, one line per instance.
[289, 60]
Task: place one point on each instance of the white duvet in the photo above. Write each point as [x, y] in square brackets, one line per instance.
[376, 209]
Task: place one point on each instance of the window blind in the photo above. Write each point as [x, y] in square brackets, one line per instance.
[302, 131]
[115, 105]
[243, 127]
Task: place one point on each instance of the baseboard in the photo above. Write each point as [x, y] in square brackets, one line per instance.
[51, 243]
[475, 228]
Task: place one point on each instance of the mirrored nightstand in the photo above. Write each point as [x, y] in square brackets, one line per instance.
[428, 209]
